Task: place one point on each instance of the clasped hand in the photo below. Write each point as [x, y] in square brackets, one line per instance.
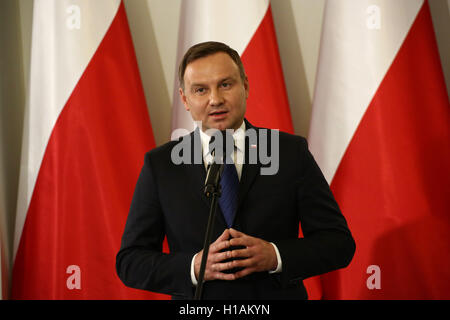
[257, 255]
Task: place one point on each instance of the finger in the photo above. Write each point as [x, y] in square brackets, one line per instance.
[222, 266]
[245, 241]
[217, 275]
[236, 234]
[221, 242]
[224, 236]
[218, 257]
[243, 263]
[218, 246]
[244, 272]
[241, 253]
[223, 276]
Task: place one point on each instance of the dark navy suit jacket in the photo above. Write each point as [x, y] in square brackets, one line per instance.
[168, 202]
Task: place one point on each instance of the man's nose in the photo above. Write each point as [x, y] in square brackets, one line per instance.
[215, 98]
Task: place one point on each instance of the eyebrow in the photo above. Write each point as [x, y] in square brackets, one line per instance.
[199, 84]
[227, 79]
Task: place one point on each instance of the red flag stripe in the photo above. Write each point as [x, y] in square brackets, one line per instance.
[392, 183]
[267, 105]
[85, 184]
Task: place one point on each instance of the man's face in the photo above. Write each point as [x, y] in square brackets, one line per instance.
[214, 92]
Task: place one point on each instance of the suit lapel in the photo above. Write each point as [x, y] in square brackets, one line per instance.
[249, 170]
[195, 171]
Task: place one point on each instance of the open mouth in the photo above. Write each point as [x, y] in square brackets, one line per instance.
[218, 114]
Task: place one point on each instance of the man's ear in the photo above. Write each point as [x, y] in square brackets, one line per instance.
[246, 87]
[183, 99]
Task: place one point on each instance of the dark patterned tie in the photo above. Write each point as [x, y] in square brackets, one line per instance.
[229, 184]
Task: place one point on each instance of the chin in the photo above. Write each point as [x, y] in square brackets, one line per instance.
[222, 127]
[219, 126]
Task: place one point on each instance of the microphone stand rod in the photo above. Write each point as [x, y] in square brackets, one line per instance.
[209, 229]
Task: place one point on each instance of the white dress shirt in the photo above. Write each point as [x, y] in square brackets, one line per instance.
[239, 152]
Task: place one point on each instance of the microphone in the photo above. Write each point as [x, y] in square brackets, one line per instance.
[213, 178]
[214, 170]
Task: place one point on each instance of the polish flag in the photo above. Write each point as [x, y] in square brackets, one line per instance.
[247, 27]
[380, 132]
[86, 131]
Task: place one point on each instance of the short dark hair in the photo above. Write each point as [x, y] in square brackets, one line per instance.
[204, 49]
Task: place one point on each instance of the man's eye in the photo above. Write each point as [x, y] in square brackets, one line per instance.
[226, 85]
[200, 90]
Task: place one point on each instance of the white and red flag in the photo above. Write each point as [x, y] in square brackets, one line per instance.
[247, 27]
[86, 130]
[380, 132]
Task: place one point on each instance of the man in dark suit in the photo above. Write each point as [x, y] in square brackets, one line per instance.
[256, 252]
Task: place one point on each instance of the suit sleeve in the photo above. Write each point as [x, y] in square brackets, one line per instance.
[327, 243]
[140, 263]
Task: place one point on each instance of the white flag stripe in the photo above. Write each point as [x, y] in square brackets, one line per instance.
[211, 20]
[60, 29]
[355, 56]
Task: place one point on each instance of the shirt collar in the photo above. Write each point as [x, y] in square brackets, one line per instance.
[238, 135]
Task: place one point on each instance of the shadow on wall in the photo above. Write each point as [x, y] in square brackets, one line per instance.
[12, 106]
[294, 74]
[150, 65]
[440, 14]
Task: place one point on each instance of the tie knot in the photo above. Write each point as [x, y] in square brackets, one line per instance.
[222, 146]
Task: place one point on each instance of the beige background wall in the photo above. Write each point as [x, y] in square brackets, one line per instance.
[154, 27]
